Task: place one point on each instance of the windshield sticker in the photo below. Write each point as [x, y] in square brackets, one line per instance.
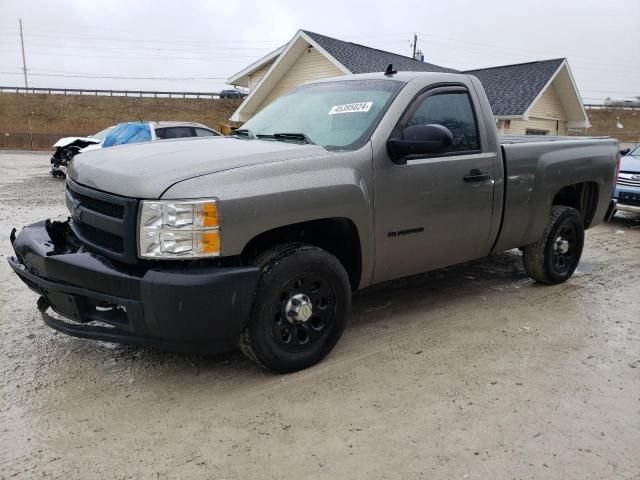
[351, 108]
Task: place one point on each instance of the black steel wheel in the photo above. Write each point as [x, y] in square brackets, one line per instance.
[555, 256]
[564, 249]
[303, 312]
[301, 307]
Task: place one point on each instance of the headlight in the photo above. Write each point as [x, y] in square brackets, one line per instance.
[179, 229]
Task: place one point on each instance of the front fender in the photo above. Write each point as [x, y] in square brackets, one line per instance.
[259, 198]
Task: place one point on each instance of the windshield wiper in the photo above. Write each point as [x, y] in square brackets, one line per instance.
[243, 132]
[296, 137]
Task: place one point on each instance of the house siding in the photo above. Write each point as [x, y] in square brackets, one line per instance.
[311, 65]
[256, 76]
[547, 114]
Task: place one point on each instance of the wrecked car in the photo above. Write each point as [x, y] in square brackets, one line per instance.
[121, 134]
[68, 147]
[258, 240]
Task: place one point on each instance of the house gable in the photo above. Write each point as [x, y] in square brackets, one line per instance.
[548, 106]
[512, 89]
[292, 52]
[310, 65]
[255, 77]
[546, 114]
[241, 78]
[568, 97]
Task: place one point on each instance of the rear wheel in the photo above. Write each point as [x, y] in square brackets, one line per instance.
[300, 310]
[554, 257]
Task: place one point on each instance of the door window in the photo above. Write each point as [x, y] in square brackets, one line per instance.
[454, 111]
[174, 132]
[203, 132]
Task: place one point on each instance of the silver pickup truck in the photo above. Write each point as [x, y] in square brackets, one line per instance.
[258, 240]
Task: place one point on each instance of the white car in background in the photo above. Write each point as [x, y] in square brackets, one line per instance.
[68, 147]
[121, 134]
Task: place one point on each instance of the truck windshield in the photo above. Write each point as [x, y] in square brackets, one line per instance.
[337, 115]
[635, 152]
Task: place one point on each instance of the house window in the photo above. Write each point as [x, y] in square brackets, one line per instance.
[533, 131]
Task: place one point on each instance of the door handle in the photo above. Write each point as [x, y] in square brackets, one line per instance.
[476, 175]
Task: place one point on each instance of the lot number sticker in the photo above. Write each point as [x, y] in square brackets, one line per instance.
[351, 108]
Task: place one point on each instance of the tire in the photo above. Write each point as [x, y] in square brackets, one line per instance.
[554, 258]
[301, 307]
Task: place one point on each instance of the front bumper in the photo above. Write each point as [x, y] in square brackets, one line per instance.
[622, 207]
[187, 307]
[628, 199]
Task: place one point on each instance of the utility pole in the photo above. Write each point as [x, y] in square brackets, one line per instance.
[24, 60]
[26, 82]
[415, 44]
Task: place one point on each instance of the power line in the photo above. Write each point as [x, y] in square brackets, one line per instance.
[149, 57]
[143, 48]
[493, 50]
[636, 92]
[115, 77]
[173, 41]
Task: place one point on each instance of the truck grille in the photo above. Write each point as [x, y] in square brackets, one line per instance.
[100, 206]
[629, 180]
[629, 198]
[102, 238]
[103, 222]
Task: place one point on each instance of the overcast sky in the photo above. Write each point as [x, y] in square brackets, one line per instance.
[194, 45]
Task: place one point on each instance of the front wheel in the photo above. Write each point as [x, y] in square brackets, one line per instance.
[301, 307]
[555, 256]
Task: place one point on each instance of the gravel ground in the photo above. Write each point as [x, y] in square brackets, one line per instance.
[471, 372]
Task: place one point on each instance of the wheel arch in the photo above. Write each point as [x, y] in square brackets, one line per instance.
[582, 196]
[337, 235]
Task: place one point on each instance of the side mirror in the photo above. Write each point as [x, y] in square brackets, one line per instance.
[624, 152]
[420, 140]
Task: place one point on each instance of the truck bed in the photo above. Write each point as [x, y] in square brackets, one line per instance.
[536, 168]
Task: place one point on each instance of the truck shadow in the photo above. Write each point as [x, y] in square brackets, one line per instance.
[496, 272]
[399, 299]
[372, 308]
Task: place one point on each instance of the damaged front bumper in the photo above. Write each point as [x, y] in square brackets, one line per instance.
[192, 308]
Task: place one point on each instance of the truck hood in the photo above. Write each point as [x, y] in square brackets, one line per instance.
[145, 170]
[630, 164]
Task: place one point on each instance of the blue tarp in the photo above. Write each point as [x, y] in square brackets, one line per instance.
[128, 133]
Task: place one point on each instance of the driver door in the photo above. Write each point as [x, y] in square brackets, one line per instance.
[435, 210]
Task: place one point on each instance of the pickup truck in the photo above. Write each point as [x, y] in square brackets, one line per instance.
[258, 240]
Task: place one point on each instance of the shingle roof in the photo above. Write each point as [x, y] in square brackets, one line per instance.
[360, 59]
[512, 88]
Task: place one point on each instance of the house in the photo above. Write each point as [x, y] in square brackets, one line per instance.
[534, 98]
[538, 98]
